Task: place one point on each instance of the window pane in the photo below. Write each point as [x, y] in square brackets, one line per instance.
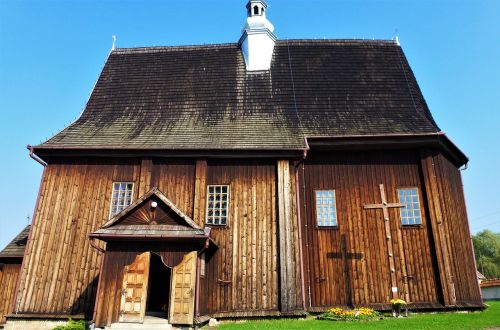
[326, 214]
[217, 207]
[410, 214]
[121, 197]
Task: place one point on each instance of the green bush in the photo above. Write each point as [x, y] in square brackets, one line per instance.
[72, 325]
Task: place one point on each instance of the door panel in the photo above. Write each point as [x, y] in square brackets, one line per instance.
[134, 289]
[182, 290]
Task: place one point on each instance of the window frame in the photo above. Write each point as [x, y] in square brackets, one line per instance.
[111, 215]
[415, 225]
[316, 224]
[227, 209]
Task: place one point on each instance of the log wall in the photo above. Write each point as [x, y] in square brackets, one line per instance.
[348, 264]
[9, 274]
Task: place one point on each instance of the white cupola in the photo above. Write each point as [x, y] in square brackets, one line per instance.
[258, 39]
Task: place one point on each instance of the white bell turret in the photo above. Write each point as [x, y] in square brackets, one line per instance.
[258, 40]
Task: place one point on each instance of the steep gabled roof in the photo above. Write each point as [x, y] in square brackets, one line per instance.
[15, 249]
[201, 97]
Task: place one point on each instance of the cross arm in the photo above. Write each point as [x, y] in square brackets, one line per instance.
[381, 206]
[373, 206]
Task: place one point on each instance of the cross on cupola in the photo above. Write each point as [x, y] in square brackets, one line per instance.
[258, 40]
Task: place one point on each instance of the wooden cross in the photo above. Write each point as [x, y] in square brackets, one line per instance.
[385, 208]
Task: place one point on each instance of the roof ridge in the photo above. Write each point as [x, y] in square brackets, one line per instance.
[339, 41]
[152, 49]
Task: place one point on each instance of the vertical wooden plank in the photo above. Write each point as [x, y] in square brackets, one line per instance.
[287, 261]
[200, 192]
[28, 249]
[457, 232]
[436, 220]
[145, 177]
[9, 274]
[33, 247]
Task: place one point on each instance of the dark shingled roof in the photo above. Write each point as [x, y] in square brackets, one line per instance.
[201, 97]
[15, 249]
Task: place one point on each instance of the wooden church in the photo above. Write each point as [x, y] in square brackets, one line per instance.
[253, 179]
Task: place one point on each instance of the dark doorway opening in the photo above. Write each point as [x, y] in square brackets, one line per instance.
[159, 287]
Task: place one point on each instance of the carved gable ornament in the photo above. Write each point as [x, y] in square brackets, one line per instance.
[151, 217]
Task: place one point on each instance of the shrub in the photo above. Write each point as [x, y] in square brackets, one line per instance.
[72, 325]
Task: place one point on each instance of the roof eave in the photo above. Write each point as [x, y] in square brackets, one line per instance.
[390, 141]
[435, 139]
[106, 237]
[47, 153]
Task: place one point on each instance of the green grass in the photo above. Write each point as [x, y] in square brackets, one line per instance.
[488, 318]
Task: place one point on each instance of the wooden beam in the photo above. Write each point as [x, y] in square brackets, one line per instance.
[200, 192]
[145, 176]
[288, 241]
[436, 219]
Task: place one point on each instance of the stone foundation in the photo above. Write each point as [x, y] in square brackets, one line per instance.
[14, 324]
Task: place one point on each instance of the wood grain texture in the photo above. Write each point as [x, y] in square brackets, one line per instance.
[9, 274]
[176, 179]
[290, 280]
[182, 290]
[60, 273]
[454, 232]
[135, 289]
[200, 192]
[61, 269]
[257, 264]
[348, 264]
[243, 274]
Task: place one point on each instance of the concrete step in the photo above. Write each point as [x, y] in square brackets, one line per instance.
[139, 326]
[151, 322]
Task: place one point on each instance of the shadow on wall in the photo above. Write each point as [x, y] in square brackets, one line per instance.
[85, 302]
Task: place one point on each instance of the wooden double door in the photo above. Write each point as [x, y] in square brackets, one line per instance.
[136, 287]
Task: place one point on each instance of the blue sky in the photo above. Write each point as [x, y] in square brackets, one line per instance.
[51, 53]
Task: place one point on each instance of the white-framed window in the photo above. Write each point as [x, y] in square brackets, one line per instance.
[217, 205]
[121, 197]
[326, 208]
[410, 214]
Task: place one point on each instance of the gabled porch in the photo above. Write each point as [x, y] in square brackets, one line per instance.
[151, 266]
